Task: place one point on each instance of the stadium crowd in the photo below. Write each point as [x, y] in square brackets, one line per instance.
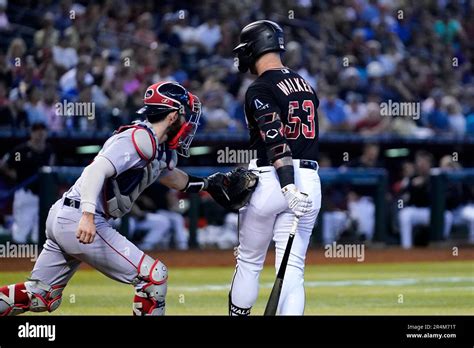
[356, 54]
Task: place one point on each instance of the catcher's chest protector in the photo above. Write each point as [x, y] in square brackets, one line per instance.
[120, 192]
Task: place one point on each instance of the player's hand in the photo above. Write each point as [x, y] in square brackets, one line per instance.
[298, 202]
[86, 229]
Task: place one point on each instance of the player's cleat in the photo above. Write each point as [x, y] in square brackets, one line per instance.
[32, 296]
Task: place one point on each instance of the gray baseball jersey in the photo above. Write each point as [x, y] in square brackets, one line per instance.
[110, 252]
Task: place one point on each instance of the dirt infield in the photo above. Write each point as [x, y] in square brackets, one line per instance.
[216, 258]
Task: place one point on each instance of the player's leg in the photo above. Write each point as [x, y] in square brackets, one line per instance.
[177, 224]
[43, 291]
[448, 223]
[255, 234]
[119, 259]
[467, 214]
[292, 298]
[34, 216]
[406, 222]
[157, 225]
[410, 217]
[333, 225]
[22, 222]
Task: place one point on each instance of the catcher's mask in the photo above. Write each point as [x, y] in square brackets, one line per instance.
[256, 39]
[164, 97]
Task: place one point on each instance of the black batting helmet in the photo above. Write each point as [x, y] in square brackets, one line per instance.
[256, 39]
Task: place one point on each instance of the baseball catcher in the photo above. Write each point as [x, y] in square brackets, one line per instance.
[78, 227]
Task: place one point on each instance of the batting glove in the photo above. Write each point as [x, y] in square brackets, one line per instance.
[298, 202]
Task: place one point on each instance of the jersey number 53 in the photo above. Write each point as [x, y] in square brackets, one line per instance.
[300, 122]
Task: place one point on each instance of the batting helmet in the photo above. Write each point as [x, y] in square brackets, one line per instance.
[164, 97]
[256, 39]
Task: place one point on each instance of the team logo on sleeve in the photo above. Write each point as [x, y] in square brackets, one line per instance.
[259, 105]
[272, 133]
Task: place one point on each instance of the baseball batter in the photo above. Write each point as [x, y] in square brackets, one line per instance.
[78, 227]
[280, 109]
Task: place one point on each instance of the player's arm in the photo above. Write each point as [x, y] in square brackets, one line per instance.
[93, 179]
[262, 105]
[178, 180]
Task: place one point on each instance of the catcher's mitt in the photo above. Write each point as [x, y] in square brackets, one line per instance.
[232, 190]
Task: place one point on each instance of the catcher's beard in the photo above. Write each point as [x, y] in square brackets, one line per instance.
[174, 128]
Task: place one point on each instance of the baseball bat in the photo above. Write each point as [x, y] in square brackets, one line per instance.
[272, 304]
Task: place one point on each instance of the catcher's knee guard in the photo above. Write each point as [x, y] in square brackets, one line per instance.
[151, 287]
[32, 295]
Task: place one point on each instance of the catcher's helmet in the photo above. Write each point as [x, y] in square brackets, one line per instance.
[256, 39]
[164, 97]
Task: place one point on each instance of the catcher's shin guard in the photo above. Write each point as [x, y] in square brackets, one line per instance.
[32, 296]
[151, 288]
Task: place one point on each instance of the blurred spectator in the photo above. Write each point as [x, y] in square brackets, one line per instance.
[47, 36]
[332, 108]
[373, 123]
[64, 55]
[416, 195]
[457, 121]
[4, 22]
[354, 109]
[436, 118]
[6, 112]
[21, 165]
[34, 106]
[208, 34]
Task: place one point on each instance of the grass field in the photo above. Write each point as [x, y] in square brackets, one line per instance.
[426, 288]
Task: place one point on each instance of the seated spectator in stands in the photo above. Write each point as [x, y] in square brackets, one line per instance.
[208, 34]
[457, 121]
[166, 34]
[6, 74]
[34, 106]
[69, 81]
[435, 116]
[4, 23]
[332, 108]
[55, 121]
[351, 83]
[144, 33]
[47, 36]
[416, 195]
[15, 58]
[373, 123]
[6, 107]
[459, 197]
[64, 55]
[355, 109]
[215, 114]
